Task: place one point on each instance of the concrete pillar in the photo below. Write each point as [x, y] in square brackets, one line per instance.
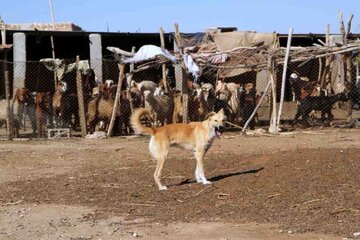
[96, 55]
[19, 50]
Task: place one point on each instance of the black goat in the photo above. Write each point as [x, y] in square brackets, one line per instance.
[318, 103]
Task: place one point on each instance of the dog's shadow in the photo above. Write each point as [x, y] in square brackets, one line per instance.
[223, 176]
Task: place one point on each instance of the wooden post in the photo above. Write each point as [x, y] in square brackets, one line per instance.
[52, 39]
[80, 92]
[325, 80]
[348, 73]
[9, 112]
[180, 74]
[163, 66]
[117, 103]
[357, 74]
[286, 60]
[272, 76]
[346, 63]
[128, 81]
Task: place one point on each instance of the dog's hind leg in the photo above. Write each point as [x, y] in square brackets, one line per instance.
[157, 175]
[159, 152]
[199, 172]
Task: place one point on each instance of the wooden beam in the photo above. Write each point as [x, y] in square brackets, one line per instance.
[163, 66]
[117, 103]
[283, 80]
[129, 79]
[9, 110]
[180, 74]
[80, 93]
[272, 79]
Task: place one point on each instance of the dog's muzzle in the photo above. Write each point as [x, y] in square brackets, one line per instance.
[219, 130]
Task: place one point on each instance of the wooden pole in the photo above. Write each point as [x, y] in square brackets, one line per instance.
[287, 53]
[180, 75]
[357, 74]
[163, 66]
[129, 79]
[257, 107]
[9, 112]
[9, 115]
[52, 39]
[80, 92]
[272, 127]
[117, 103]
[346, 63]
[326, 77]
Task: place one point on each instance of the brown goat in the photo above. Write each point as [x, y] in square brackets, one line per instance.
[24, 105]
[100, 109]
[43, 111]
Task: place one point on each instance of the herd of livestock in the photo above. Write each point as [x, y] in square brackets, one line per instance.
[60, 109]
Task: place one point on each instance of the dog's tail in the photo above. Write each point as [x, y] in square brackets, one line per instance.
[137, 124]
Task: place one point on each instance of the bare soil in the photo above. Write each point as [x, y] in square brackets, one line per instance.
[297, 185]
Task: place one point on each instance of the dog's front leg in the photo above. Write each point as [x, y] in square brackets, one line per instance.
[199, 172]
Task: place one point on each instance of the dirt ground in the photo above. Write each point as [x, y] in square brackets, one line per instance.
[296, 185]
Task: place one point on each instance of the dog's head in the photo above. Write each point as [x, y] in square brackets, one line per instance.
[217, 122]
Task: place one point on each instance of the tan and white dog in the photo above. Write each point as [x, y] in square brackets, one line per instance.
[196, 136]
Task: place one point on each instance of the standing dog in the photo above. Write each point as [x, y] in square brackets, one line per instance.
[196, 136]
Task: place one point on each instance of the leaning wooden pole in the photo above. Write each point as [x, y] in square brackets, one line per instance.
[283, 80]
[117, 102]
[163, 66]
[256, 108]
[80, 93]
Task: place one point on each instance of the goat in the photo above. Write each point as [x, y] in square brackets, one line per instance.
[3, 117]
[57, 100]
[144, 85]
[200, 105]
[136, 98]
[24, 104]
[43, 111]
[248, 101]
[65, 107]
[318, 103]
[301, 88]
[229, 92]
[161, 106]
[213, 104]
[104, 88]
[101, 106]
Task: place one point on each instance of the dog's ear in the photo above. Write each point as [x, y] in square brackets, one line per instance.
[221, 111]
[210, 114]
